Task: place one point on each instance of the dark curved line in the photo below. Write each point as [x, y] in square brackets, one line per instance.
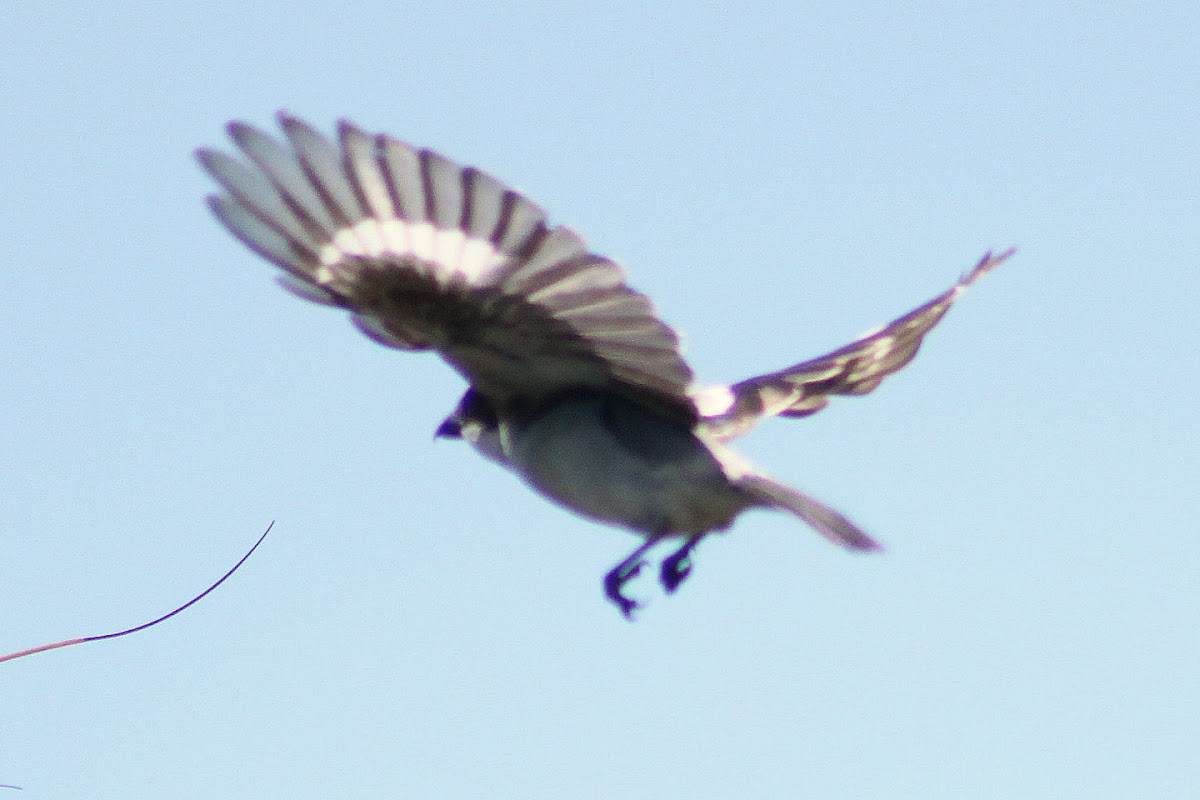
[68, 642]
[189, 603]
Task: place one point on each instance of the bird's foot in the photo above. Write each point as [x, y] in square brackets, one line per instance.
[677, 566]
[616, 579]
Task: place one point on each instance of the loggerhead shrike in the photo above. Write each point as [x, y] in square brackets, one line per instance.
[575, 383]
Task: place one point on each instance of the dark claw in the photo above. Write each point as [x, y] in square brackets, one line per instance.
[615, 580]
[624, 572]
[626, 605]
[677, 566]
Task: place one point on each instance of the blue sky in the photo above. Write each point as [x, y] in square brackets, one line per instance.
[780, 179]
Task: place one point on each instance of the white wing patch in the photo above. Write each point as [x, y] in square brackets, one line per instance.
[313, 207]
[472, 260]
[428, 254]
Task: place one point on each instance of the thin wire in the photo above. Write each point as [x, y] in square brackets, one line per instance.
[143, 626]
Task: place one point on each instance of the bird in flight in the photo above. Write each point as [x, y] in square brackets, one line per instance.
[575, 384]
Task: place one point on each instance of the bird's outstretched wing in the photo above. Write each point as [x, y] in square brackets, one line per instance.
[855, 369]
[426, 254]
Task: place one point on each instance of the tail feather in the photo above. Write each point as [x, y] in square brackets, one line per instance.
[825, 520]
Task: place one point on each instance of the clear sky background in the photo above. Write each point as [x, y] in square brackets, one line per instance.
[780, 178]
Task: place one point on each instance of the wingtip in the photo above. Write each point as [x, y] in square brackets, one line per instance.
[295, 128]
[205, 156]
[238, 130]
[986, 264]
[346, 128]
[865, 545]
[285, 118]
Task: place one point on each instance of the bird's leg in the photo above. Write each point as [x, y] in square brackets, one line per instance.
[678, 565]
[622, 573]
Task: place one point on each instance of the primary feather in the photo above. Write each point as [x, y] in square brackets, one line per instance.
[427, 254]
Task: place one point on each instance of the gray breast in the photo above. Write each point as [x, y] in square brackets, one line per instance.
[615, 460]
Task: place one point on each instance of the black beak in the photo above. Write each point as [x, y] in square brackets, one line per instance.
[450, 429]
